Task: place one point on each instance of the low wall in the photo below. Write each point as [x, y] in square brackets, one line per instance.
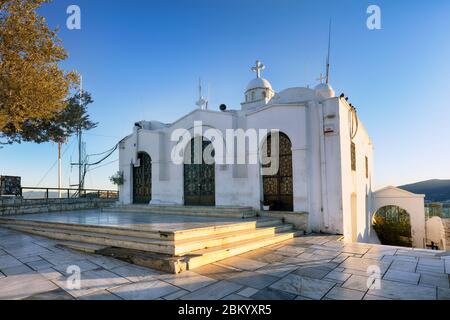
[28, 206]
[298, 219]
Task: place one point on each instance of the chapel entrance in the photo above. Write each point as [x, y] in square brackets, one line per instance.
[199, 173]
[142, 180]
[278, 188]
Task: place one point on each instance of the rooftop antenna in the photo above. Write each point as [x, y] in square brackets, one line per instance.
[327, 77]
[202, 103]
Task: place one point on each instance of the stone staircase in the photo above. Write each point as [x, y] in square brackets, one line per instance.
[221, 212]
[170, 251]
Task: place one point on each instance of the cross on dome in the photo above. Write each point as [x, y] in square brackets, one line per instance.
[321, 78]
[258, 68]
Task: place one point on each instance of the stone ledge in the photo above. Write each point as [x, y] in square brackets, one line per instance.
[11, 207]
[296, 218]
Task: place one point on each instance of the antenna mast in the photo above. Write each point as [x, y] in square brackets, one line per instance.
[80, 178]
[328, 57]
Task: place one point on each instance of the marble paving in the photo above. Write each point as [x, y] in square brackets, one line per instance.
[151, 222]
[312, 267]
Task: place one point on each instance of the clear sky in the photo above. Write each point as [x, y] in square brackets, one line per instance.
[142, 60]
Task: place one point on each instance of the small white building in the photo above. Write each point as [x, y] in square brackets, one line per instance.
[325, 159]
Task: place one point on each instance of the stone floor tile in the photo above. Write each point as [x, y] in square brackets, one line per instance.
[91, 281]
[57, 294]
[100, 295]
[290, 251]
[247, 292]
[303, 286]
[8, 261]
[243, 263]
[402, 276]
[302, 298]
[338, 293]
[27, 251]
[400, 291]
[263, 255]
[145, 290]
[355, 249]
[434, 280]
[272, 294]
[421, 268]
[215, 291]
[356, 282]
[253, 279]
[136, 273]
[215, 271]
[50, 273]
[235, 297]
[337, 276]
[312, 272]
[105, 262]
[176, 295]
[372, 297]
[447, 266]
[364, 264]
[404, 265]
[434, 262]
[23, 286]
[84, 265]
[30, 259]
[277, 269]
[18, 270]
[187, 280]
[443, 294]
[39, 264]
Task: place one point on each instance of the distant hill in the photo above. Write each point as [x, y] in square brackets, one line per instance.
[435, 190]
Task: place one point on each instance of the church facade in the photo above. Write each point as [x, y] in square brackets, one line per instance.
[325, 159]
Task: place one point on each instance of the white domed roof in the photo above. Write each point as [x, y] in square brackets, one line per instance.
[259, 83]
[325, 90]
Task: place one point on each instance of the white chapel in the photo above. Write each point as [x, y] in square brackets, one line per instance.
[325, 159]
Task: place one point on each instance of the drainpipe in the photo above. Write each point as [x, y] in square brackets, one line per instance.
[323, 165]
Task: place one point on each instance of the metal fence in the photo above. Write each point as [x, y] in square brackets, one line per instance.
[30, 193]
[437, 210]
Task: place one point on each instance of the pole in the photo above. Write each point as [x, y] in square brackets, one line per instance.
[328, 56]
[80, 178]
[59, 170]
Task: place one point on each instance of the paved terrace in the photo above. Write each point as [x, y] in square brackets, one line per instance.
[316, 267]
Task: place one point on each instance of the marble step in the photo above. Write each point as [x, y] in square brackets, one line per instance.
[194, 259]
[225, 212]
[202, 257]
[143, 232]
[176, 248]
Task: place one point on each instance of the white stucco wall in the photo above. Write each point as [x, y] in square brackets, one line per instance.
[414, 204]
[323, 182]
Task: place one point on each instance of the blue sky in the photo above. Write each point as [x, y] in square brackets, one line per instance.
[142, 60]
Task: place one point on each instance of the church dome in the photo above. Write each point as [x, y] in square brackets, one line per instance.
[325, 90]
[259, 83]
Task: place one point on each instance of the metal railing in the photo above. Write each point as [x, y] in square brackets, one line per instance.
[38, 193]
[437, 210]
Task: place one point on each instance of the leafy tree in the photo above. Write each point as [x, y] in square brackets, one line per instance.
[62, 125]
[33, 89]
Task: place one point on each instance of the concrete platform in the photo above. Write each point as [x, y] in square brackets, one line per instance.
[173, 243]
